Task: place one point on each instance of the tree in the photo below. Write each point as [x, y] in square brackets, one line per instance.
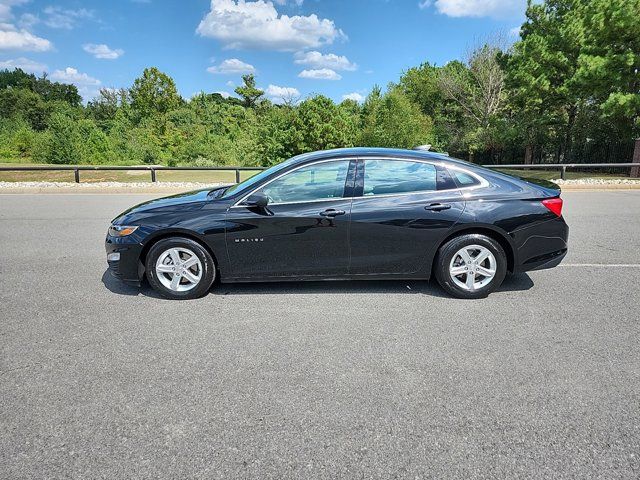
[23, 103]
[323, 125]
[154, 93]
[477, 86]
[608, 70]
[63, 142]
[392, 120]
[94, 144]
[248, 91]
[540, 73]
[47, 90]
[105, 106]
[279, 136]
[421, 86]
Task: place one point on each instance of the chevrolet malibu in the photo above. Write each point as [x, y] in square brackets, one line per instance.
[360, 213]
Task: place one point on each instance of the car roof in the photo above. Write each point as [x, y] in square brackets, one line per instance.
[374, 151]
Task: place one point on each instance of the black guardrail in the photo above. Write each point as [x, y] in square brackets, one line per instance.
[151, 169]
[562, 167]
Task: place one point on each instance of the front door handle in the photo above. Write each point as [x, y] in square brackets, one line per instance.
[332, 213]
[437, 207]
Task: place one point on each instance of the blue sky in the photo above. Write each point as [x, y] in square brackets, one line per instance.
[295, 47]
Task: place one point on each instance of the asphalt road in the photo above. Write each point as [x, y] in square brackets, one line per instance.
[319, 380]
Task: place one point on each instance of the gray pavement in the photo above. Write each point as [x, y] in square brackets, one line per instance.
[318, 380]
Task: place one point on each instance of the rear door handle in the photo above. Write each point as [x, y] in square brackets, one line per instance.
[332, 213]
[437, 207]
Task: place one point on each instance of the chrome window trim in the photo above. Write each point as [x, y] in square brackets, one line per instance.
[482, 181]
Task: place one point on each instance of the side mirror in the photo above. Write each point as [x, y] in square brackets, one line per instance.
[258, 199]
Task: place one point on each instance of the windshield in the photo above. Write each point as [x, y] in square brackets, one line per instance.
[250, 182]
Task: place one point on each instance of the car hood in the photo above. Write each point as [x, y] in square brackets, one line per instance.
[180, 202]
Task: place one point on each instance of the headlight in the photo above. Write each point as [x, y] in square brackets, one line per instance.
[121, 230]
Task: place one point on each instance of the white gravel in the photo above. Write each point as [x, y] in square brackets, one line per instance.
[599, 181]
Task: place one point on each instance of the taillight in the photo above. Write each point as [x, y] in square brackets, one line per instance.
[554, 204]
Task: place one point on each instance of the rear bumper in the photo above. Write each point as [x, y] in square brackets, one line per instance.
[541, 246]
[128, 269]
[548, 261]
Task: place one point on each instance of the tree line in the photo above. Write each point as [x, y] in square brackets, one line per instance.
[567, 90]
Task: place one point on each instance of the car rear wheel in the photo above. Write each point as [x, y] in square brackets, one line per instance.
[180, 268]
[471, 266]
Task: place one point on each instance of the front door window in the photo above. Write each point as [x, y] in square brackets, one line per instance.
[317, 182]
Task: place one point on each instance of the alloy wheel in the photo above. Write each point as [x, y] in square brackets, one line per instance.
[472, 267]
[179, 269]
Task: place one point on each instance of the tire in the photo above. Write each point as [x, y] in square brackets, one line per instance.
[461, 254]
[175, 277]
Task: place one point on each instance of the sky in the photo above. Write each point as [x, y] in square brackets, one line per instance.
[338, 48]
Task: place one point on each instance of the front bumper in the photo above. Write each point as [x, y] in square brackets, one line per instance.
[128, 268]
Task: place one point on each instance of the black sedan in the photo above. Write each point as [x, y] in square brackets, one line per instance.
[359, 213]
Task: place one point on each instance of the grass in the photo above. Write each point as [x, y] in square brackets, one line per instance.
[555, 174]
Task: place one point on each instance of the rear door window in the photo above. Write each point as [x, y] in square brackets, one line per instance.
[384, 177]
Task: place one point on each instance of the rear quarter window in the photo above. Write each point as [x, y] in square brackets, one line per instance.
[464, 179]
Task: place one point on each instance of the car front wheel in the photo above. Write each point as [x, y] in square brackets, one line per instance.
[471, 266]
[180, 268]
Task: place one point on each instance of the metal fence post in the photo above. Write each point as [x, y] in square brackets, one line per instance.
[76, 174]
[237, 176]
[635, 171]
[153, 175]
[563, 174]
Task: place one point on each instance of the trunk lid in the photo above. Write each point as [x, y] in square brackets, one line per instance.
[546, 184]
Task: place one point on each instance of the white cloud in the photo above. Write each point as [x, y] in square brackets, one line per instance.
[5, 8]
[232, 66]
[480, 8]
[284, 2]
[13, 39]
[58, 17]
[320, 74]
[329, 60]
[257, 24]
[223, 93]
[424, 4]
[25, 64]
[71, 75]
[282, 94]
[88, 86]
[515, 31]
[102, 51]
[28, 20]
[5, 12]
[355, 96]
